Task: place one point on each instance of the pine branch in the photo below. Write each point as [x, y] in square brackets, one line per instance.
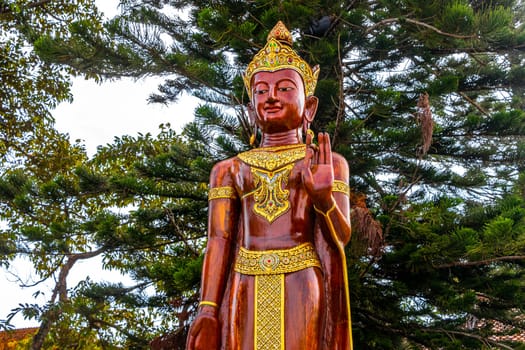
[424, 118]
[23, 284]
[481, 262]
[474, 103]
[388, 21]
[61, 286]
[342, 104]
[180, 232]
[481, 339]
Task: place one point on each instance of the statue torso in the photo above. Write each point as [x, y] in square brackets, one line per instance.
[276, 212]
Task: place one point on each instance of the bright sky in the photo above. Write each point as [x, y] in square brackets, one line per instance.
[98, 113]
[101, 112]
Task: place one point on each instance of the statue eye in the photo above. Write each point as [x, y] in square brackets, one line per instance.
[285, 88]
[260, 91]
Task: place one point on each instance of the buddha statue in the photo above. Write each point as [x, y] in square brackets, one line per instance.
[274, 273]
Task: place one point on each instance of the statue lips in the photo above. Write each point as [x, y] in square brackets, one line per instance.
[273, 109]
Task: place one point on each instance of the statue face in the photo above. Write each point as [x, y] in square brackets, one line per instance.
[279, 100]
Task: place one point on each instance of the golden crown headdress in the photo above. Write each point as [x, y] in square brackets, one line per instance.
[278, 54]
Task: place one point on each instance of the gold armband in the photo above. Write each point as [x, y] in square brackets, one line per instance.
[341, 186]
[222, 192]
[209, 303]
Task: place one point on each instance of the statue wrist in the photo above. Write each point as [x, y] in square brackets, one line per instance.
[323, 207]
[208, 310]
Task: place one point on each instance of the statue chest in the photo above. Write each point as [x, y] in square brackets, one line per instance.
[270, 179]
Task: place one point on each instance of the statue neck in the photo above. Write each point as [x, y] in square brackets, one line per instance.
[289, 137]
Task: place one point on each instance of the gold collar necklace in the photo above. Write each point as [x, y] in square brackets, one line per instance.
[274, 157]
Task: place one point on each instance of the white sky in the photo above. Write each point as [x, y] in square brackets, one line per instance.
[98, 113]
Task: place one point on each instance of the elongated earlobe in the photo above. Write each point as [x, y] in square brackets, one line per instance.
[306, 127]
[253, 136]
[252, 117]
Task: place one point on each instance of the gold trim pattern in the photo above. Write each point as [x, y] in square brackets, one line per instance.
[271, 158]
[222, 192]
[270, 195]
[269, 312]
[341, 186]
[281, 261]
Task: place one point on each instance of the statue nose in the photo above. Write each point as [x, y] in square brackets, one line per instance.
[272, 94]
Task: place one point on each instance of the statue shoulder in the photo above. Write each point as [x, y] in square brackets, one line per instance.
[223, 172]
[225, 163]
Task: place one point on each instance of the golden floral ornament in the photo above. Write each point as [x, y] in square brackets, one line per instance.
[269, 268]
[278, 54]
[270, 194]
[271, 168]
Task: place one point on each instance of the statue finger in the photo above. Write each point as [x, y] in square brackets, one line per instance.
[315, 152]
[308, 157]
[309, 139]
[327, 149]
[322, 155]
[324, 149]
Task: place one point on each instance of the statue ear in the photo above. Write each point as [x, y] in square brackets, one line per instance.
[251, 113]
[310, 109]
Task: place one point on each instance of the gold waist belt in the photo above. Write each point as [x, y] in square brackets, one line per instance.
[272, 262]
[269, 267]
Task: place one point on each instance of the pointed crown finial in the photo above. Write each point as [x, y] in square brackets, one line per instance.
[278, 54]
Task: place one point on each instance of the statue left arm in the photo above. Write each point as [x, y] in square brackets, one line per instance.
[322, 169]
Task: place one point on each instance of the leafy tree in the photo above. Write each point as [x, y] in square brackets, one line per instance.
[39, 196]
[424, 99]
[30, 86]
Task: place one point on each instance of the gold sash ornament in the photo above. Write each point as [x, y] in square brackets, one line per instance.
[269, 267]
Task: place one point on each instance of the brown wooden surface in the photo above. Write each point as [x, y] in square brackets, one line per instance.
[281, 111]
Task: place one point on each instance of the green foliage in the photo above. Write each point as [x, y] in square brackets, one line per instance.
[457, 17]
[452, 217]
[30, 86]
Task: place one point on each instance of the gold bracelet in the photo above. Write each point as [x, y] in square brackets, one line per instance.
[327, 212]
[209, 303]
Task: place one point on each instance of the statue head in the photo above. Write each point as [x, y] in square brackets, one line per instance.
[278, 54]
[280, 85]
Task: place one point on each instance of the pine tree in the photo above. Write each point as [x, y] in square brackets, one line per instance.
[424, 99]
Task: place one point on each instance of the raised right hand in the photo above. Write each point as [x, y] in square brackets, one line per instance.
[318, 172]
